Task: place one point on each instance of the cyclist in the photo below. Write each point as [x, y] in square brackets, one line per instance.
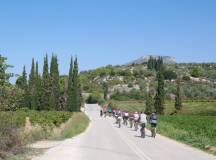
[101, 113]
[126, 116]
[110, 110]
[105, 112]
[131, 119]
[119, 118]
[153, 122]
[136, 120]
[143, 123]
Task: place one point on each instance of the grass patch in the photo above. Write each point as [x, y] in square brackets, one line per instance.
[130, 106]
[197, 131]
[189, 107]
[16, 131]
[76, 125]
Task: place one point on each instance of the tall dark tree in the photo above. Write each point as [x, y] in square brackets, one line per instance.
[38, 88]
[159, 64]
[69, 103]
[178, 100]
[45, 86]
[149, 104]
[160, 94]
[32, 86]
[23, 84]
[105, 90]
[151, 63]
[21, 81]
[76, 91]
[54, 83]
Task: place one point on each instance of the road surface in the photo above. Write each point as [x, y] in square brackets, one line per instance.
[104, 141]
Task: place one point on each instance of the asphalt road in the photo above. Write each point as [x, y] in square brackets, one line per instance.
[103, 140]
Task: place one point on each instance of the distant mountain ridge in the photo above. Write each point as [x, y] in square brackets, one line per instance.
[166, 59]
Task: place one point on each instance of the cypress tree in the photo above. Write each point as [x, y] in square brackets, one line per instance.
[105, 90]
[160, 94]
[21, 82]
[76, 91]
[24, 78]
[178, 101]
[25, 102]
[149, 104]
[70, 78]
[32, 86]
[38, 88]
[55, 86]
[70, 86]
[45, 86]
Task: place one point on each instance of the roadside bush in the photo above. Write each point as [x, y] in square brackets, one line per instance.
[12, 124]
[101, 101]
[93, 98]
[10, 98]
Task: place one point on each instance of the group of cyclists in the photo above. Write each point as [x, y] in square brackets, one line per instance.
[133, 119]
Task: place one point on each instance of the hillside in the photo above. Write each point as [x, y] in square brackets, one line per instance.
[145, 59]
[197, 80]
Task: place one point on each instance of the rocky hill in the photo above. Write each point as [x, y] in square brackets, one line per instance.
[144, 59]
[198, 80]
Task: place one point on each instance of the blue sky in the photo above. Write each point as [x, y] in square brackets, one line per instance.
[102, 32]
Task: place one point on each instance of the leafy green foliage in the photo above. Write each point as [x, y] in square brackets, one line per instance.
[11, 98]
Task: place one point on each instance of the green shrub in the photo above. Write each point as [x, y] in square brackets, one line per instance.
[12, 123]
[93, 98]
[169, 75]
[196, 72]
[101, 101]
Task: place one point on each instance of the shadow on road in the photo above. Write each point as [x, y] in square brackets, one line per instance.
[145, 136]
